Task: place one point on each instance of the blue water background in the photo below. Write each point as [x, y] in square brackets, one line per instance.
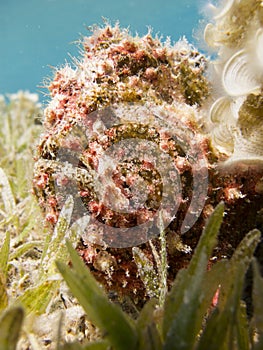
[36, 35]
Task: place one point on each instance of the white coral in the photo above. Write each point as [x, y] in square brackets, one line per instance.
[237, 33]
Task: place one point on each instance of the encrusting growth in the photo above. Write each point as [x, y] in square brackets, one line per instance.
[125, 135]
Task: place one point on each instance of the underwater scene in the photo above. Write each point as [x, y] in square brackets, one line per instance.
[131, 175]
